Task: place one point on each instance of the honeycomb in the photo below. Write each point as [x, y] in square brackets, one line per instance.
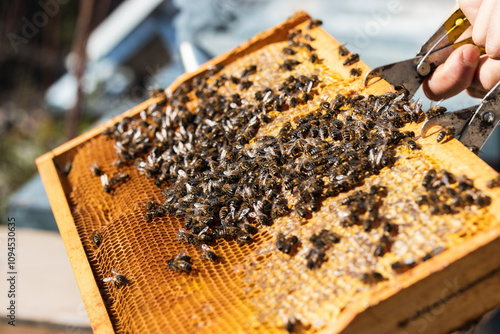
[253, 287]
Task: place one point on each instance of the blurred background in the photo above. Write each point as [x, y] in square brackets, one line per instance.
[66, 66]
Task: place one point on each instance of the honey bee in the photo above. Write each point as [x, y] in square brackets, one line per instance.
[290, 324]
[435, 111]
[249, 70]
[250, 229]
[324, 239]
[402, 266]
[367, 224]
[157, 93]
[117, 278]
[289, 64]
[356, 72]
[186, 237]
[203, 236]
[244, 239]
[446, 134]
[207, 253]
[481, 201]
[245, 84]
[313, 58]
[120, 178]
[314, 23]
[383, 246]
[343, 51]
[280, 241]
[290, 244]
[95, 169]
[371, 277]
[315, 258]
[493, 183]
[302, 211]
[429, 176]
[180, 262]
[351, 60]
[105, 183]
[412, 144]
[434, 252]
[96, 238]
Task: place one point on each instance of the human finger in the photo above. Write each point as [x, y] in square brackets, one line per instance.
[455, 75]
[486, 77]
[482, 22]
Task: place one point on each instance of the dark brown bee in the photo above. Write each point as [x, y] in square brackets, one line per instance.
[223, 212]
[412, 144]
[351, 60]
[402, 266]
[280, 210]
[207, 253]
[315, 258]
[180, 262]
[290, 325]
[343, 51]
[324, 105]
[289, 64]
[389, 228]
[120, 178]
[280, 241]
[117, 278]
[383, 246]
[324, 238]
[249, 70]
[186, 237]
[301, 211]
[245, 84]
[446, 134]
[429, 176]
[433, 253]
[435, 111]
[356, 72]
[481, 201]
[367, 224]
[314, 23]
[95, 169]
[158, 93]
[290, 244]
[493, 183]
[313, 58]
[250, 229]
[244, 239]
[421, 200]
[371, 277]
[96, 238]
[105, 183]
[288, 51]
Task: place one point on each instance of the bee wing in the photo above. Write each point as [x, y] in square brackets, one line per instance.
[205, 247]
[114, 271]
[203, 231]
[104, 179]
[181, 254]
[107, 279]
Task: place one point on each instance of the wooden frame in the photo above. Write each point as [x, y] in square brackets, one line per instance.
[437, 296]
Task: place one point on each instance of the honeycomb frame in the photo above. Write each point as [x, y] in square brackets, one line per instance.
[433, 277]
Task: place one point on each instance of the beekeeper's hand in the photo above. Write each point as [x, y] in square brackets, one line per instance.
[465, 68]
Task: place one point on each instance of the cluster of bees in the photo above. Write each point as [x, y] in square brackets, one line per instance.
[447, 194]
[226, 182]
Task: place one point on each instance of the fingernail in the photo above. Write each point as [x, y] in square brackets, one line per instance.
[470, 56]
